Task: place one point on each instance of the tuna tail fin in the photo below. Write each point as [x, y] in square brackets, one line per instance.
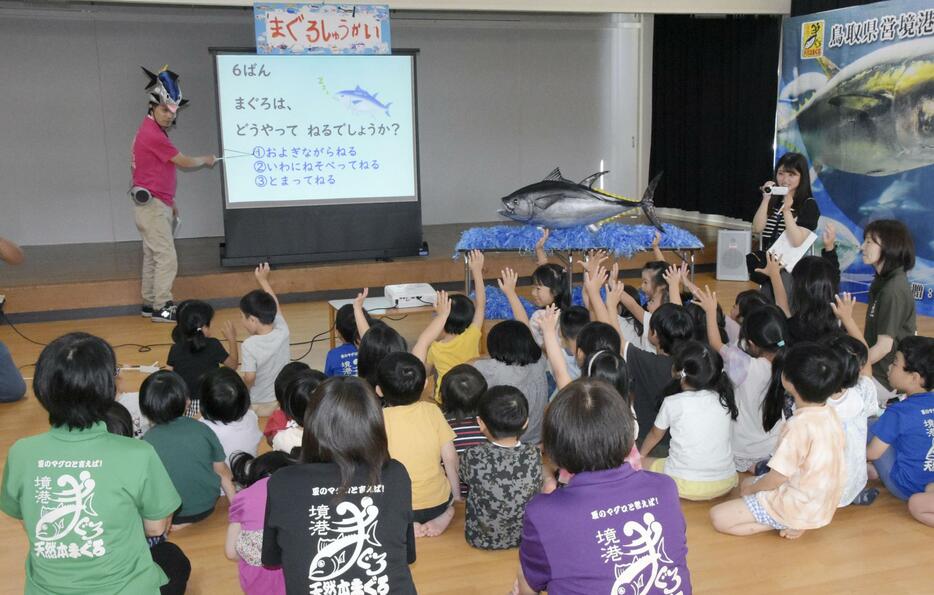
[648, 202]
[387, 109]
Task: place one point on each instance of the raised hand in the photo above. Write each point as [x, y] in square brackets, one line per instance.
[843, 306]
[706, 299]
[442, 304]
[540, 244]
[262, 272]
[773, 265]
[549, 319]
[594, 259]
[507, 280]
[361, 297]
[475, 262]
[656, 241]
[829, 237]
[229, 330]
[673, 277]
[614, 276]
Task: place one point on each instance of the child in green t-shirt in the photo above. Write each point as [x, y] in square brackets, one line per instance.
[190, 451]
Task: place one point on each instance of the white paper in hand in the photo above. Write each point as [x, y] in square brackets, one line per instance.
[789, 255]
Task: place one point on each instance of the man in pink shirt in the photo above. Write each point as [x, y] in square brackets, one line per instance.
[154, 161]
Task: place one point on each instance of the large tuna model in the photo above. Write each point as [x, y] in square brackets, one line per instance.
[875, 116]
[557, 202]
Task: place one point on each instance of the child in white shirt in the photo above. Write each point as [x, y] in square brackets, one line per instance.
[266, 351]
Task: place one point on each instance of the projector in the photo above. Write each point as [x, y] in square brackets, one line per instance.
[410, 295]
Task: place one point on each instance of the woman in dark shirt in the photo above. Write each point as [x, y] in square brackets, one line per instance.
[888, 248]
[796, 213]
[342, 522]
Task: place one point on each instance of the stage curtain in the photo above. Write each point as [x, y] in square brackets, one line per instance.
[714, 84]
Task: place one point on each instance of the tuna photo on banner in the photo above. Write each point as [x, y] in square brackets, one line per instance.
[856, 97]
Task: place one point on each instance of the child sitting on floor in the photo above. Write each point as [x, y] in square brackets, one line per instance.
[421, 440]
[266, 351]
[225, 408]
[297, 396]
[342, 360]
[807, 472]
[279, 420]
[902, 446]
[502, 475]
[190, 451]
[247, 513]
[459, 342]
[461, 390]
[195, 351]
[699, 416]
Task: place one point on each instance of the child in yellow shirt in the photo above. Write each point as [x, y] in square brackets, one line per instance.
[459, 342]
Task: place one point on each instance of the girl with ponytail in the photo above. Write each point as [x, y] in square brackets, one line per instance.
[196, 351]
[755, 367]
[700, 416]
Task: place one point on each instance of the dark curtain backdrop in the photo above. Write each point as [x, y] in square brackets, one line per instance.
[714, 84]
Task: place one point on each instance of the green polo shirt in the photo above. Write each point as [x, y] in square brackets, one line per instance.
[189, 449]
[82, 496]
[891, 311]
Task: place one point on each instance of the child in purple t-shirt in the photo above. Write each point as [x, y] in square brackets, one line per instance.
[611, 526]
[247, 513]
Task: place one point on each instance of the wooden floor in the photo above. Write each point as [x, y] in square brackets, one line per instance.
[878, 549]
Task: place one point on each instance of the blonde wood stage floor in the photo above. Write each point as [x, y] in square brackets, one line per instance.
[875, 549]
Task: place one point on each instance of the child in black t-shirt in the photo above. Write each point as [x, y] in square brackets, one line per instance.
[195, 351]
[344, 515]
[502, 474]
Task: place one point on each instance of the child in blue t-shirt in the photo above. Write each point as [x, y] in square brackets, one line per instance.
[902, 440]
[342, 360]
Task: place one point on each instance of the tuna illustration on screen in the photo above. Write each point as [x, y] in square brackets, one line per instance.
[360, 100]
[556, 202]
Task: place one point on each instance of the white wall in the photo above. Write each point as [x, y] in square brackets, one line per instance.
[502, 100]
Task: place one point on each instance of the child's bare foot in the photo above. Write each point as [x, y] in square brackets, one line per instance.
[419, 530]
[871, 471]
[437, 525]
[179, 527]
[791, 533]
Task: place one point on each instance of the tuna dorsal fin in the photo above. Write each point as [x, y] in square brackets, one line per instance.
[590, 180]
[829, 68]
[868, 103]
[543, 202]
[555, 175]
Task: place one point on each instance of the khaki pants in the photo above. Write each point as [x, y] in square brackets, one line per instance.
[160, 264]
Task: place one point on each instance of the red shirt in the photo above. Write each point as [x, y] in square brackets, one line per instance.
[276, 423]
[152, 161]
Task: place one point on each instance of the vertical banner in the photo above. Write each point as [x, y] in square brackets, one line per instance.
[322, 28]
[856, 97]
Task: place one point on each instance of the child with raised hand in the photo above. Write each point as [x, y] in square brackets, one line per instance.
[190, 451]
[195, 351]
[602, 363]
[901, 449]
[669, 326]
[746, 302]
[421, 440]
[266, 351]
[377, 340]
[700, 416]
[549, 286]
[279, 420]
[244, 543]
[342, 360]
[502, 474]
[807, 472]
[226, 410]
[764, 331]
[297, 396]
[459, 342]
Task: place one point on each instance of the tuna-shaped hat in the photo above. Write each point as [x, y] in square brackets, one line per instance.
[163, 88]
